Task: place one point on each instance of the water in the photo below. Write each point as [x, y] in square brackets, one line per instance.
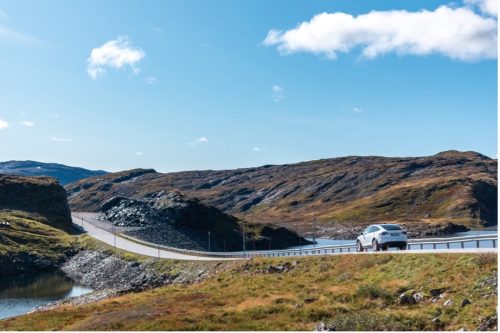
[20, 294]
[482, 244]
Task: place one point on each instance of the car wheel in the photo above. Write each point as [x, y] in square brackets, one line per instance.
[385, 248]
[402, 247]
[375, 245]
[359, 247]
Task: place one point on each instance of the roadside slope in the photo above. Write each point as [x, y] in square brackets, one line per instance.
[344, 292]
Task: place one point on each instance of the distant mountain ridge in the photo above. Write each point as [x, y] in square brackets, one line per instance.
[345, 192]
[65, 174]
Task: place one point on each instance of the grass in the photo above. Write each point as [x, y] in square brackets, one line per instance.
[29, 234]
[350, 292]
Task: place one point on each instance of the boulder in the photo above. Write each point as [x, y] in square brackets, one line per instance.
[465, 302]
[407, 299]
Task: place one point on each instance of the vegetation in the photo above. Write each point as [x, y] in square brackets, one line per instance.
[30, 236]
[350, 292]
[458, 187]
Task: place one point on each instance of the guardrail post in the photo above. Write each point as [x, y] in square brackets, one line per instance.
[494, 243]
[477, 244]
[462, 244]
[447, 245]
[434, 246]
[421, 246]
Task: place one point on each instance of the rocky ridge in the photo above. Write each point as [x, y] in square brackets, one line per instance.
[172, 219]
[424, 193]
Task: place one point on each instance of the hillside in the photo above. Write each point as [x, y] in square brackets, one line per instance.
[35, 224]
[42, 197]
[65, 174]
[341, 193]
[170, 218]
[344, 293]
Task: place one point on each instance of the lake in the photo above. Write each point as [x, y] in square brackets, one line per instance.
[485, 244]
[20, 294]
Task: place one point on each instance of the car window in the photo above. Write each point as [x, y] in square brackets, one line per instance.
[367, 230]
[373, 229]
[391, 227]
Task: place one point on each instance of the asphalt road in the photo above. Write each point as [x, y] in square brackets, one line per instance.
[103, 232]
[105, 236]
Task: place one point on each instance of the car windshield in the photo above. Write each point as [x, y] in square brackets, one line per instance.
[391, 227]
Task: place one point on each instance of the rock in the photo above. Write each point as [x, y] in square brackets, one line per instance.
[310, 300]
[407, 299]
[321, 327]
[448, 303]
[436, 292]
[418, 297]
[465, 302]
[489, 323]
[443, 295]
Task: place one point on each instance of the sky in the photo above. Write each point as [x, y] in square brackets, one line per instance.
[191, 85]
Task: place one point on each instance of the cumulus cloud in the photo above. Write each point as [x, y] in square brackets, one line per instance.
[62, 140]
[259, 149]
[116, 54]
[458, 33]
[3, 124]
[278, 93]
[27, 123]
[489, 7]
[138, 153]
[356, 110]
[198, 141]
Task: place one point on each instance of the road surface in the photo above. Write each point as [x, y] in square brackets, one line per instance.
[103, 232]
[82, 220]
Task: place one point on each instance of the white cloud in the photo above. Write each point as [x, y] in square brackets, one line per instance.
[27, 123]
[489, 7]
[259, 149]
[157, 29]
[198, 141]
[3, 124]
[115, 54]
[458, 33]
[151, 80]
[138, 153]
[278, 93]
[356, 110]
[63, 140]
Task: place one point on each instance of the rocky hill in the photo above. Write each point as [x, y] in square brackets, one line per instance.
[40, 196]
[340, 193]
[35, 224]
[65, 174]
[172, 219]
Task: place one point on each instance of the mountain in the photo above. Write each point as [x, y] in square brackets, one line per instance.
[65, 174]
[339, 193]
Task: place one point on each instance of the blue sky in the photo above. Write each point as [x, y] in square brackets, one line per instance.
[183, 85]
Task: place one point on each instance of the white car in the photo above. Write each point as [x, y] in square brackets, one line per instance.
[382, 236]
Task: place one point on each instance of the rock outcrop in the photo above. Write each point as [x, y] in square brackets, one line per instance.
[172, 219]
[40, 196]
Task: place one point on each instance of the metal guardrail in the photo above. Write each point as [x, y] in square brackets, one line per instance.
[330, 249]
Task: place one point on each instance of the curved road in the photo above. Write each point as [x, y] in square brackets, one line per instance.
[100, 233]
[82, 220]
